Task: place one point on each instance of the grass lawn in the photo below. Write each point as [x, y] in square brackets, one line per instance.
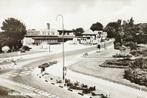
[90, 66]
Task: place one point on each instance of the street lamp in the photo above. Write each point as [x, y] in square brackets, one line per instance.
[62, 43]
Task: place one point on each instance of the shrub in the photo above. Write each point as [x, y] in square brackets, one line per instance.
[136, 53]
[122, 56]
[138, 63]
[136, 75]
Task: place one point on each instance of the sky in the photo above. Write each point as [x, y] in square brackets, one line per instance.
[76, 13]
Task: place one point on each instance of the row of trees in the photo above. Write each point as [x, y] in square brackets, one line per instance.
[126, 33]
[94, 27]
[13, 32]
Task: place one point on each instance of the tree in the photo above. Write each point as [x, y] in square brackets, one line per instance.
[14, 30]
[96, 27]
[131, 32]
[110, 31]
[131, 22]
[3, 41]
[119, 22]
[144, 29]
[78, 31]
[113, 29]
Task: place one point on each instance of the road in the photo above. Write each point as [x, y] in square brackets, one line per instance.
[21, 76]
[21, 79]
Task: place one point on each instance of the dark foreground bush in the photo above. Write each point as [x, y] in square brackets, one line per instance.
[136, 53]
[139, 52]
[136, 75]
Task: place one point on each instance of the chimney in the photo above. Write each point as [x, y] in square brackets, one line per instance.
[48, 26]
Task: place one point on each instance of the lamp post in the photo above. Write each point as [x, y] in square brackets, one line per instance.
[62, 43]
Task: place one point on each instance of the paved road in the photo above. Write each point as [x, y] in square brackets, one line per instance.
[20, 76]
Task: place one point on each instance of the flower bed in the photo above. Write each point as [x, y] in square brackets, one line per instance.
[121, 56]
[121, 63]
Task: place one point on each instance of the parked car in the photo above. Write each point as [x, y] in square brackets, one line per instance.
[24, 49]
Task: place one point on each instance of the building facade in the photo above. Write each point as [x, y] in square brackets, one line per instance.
[47, 36]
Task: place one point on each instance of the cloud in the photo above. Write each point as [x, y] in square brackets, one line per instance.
[36, 13]
[68, 6]
[136, 9]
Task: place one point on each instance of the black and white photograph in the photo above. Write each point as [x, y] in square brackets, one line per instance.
[73, 49]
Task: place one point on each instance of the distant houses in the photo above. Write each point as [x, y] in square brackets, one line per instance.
[54, 36]
[49, 36]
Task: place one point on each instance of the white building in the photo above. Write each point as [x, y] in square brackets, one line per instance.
[42, 32]
[51, 36]
[94, 36]
[51, 32]
[27, 41]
